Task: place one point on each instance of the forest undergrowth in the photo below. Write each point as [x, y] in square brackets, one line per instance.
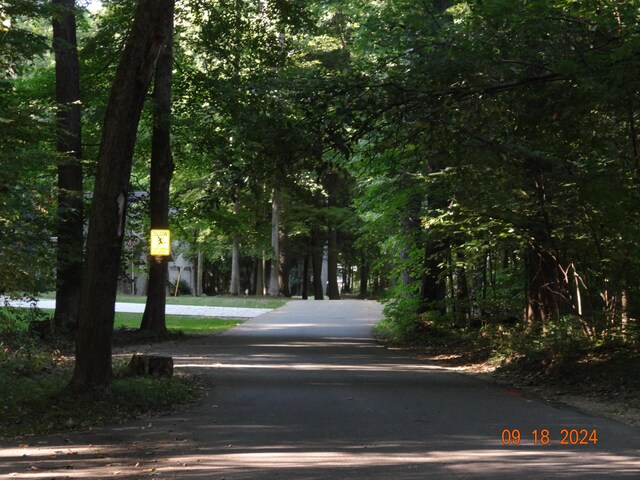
[35, 374]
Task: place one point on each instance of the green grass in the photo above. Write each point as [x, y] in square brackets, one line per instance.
[181, 323]
[217, 301]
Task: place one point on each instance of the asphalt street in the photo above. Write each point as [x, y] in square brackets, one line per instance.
[304, 392]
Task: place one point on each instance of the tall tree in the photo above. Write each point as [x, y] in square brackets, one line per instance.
[146, 40]
[69, 144]
[234, 288]
[274, 286]
[332, 251]
[25, 242]
[161, 173]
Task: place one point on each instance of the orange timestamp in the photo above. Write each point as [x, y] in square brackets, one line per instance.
[543, 436]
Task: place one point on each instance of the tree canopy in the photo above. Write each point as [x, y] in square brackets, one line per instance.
[469, 162]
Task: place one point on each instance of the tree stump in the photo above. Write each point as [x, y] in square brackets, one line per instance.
[154, 365]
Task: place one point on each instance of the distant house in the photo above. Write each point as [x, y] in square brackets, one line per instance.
[134, 278]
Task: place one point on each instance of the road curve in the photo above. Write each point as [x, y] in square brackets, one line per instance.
[304, 392]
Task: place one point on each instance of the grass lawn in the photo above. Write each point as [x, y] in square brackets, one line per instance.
[217, 301]
[176, 322]
[181, 323]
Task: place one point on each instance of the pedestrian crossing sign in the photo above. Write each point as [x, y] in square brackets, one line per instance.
[160, 243]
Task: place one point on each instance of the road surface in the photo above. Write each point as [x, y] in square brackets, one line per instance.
[303, 392]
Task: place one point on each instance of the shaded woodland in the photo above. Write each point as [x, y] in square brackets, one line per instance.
[473, 164]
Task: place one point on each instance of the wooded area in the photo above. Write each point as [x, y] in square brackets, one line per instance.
[473, 163]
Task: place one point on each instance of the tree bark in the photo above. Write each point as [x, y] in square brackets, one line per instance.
[234, 287]
[260, 277]
[332, 273]
[333, 289]
[547, 295]
[274, 287]
[285, 267]
[148, 36]
[317, 254]
[434, 289]
[364, 277]
[69, 145]
[305, 278]
[199, 276]
[153, 319]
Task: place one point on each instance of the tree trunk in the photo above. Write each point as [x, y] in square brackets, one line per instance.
[234, 288]
[69, 144]
[274, 287]
[285, 266]
[260, 278]
[162, 166]
[462, 296]
[364, 277]
[199, 276]
[434, 288]
[108, 210]
[305, 278]
[317, 256]
[547, 296]
[334, 290]
[332, 271]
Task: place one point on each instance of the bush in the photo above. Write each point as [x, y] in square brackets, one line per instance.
[183, 288]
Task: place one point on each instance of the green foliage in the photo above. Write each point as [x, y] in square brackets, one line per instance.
[514, 126]
[43, 405]
[182, 288]
[34, 378]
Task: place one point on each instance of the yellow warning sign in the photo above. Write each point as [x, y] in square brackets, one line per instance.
[160, 243]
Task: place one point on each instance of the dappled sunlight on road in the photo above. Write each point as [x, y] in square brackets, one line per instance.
[295, 398]
[392, 460]
[309, 366]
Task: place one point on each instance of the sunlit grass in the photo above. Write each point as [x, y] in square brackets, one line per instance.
[217, 301]
[180, 323]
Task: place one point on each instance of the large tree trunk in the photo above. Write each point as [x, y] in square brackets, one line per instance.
[274, 287]
[317, 256]
[108, 210]
[199, 275]
[333, 289]
[234, 287]
[434, 289]
[69, 145]
[162, 166]
[364, 277]
[332, 272]
[260, 277]
[305, 278]
[285, 266]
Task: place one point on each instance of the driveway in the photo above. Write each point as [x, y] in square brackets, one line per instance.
[304, 392]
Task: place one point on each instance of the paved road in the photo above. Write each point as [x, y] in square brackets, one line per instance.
[305, 393]
[190, 310]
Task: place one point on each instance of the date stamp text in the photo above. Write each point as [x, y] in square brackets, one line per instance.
[544, 436]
